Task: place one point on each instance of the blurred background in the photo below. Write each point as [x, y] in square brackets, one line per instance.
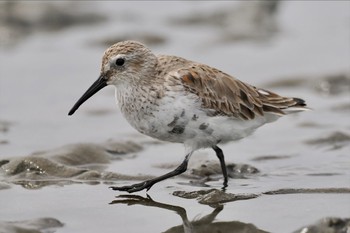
[50, 53]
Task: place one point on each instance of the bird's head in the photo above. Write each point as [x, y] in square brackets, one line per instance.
[124, 63]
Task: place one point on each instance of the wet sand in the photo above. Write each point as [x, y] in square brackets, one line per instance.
[290, 176]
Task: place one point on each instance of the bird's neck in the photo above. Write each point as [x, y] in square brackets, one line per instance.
[135, 97]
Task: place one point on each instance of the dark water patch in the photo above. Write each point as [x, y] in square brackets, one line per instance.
[270, 157]
[18, 19]
[309, 124]
[203, 224]
[334, 84]
[331, 84]
[4, 142]
[336, 140]
[213, 197]
[307, 191]
[327, 225]
[293, 82]
[123, 148]
[5, 126]
[40, 225]
[342, 108]
[324, 174]
[250, 20]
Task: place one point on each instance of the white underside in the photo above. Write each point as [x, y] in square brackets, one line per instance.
[194, 128]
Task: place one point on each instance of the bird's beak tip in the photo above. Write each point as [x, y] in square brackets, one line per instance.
[100, 83]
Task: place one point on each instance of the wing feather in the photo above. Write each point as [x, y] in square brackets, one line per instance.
[222, 94]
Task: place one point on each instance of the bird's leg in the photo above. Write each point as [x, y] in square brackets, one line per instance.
[149, 183]
[220, 155]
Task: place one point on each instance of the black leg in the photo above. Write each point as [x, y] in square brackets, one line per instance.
[220, 155]
[149, 183]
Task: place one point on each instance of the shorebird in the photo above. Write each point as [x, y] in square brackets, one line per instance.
[177, 100]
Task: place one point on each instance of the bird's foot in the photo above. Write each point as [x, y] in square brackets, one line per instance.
[135, 187]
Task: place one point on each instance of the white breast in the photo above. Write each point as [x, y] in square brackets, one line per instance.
[179, 118]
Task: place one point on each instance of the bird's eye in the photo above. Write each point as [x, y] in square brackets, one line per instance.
[120, 61]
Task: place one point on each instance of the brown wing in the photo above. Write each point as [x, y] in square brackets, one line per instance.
[222, 94]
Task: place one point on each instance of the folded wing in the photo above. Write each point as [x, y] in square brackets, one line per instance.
[222, 94]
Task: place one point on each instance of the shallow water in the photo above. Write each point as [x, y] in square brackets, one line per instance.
[302, 159]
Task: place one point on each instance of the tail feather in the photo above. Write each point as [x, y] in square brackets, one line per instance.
[299, 102]
[279, 105]
[298, 106]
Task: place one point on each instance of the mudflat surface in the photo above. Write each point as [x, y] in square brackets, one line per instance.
[290, 176]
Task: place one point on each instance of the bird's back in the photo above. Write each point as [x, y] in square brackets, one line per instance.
[222, 94]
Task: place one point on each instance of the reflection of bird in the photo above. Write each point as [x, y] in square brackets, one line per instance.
[205, 224]
[177, 100]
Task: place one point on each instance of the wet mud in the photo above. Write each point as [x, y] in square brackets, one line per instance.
[213, 197]
[334, 141]
[306, 191]
[212, 170]
[69, 164]
[41, 225]
[327, 225]
[266, 158]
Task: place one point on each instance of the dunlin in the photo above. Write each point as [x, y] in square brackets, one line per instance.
[177, 100]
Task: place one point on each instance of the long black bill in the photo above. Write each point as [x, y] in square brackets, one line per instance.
[100, 83]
